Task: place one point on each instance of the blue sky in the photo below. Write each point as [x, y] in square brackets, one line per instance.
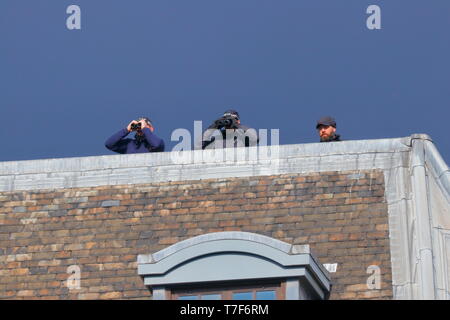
[282, 64]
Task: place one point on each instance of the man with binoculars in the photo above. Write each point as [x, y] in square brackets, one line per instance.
[227, 131]
[144, 140]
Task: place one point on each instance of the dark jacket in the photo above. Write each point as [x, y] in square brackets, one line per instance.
[336, 137]
[147, 143]
[248, 135]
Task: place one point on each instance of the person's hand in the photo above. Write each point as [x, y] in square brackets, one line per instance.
[145, 124]
[129, 125]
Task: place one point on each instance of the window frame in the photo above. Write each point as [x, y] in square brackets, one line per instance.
[228, 289]
[234, 257]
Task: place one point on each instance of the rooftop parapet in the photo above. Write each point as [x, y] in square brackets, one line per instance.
[203, 164]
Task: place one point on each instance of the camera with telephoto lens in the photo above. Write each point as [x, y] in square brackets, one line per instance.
[226, 122]
[135, 126]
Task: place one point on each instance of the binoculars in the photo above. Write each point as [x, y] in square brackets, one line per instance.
[135, 126]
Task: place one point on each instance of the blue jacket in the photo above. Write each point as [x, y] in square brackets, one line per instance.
[148, 143]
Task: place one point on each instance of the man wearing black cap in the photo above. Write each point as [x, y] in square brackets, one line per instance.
[326, 127]
[233, 132]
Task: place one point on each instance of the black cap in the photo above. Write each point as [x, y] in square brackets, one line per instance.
[231, 112]
[326, 121]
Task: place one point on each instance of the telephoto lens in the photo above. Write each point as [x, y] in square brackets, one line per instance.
[227, 122]
[224, 122]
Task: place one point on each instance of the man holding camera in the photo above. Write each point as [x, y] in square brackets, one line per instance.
[144, 140]
[227, 131]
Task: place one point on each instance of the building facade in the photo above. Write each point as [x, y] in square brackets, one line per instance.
[362, 219]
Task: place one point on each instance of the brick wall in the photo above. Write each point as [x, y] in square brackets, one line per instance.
[341, 215]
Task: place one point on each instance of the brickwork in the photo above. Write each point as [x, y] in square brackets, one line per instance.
[341, 215]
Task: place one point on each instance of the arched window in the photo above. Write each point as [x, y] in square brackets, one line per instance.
[234, 265]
